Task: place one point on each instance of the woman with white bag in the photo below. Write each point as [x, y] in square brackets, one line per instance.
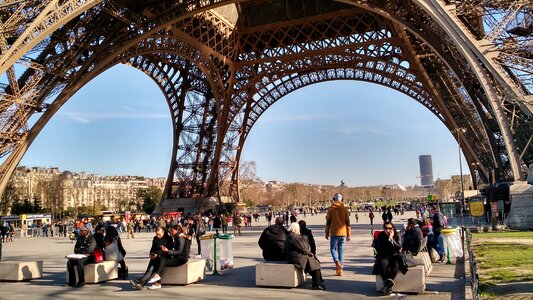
[113, 251]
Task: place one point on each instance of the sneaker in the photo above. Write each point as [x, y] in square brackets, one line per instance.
[386, 290]
[154, 287]
[136, 284]
[387, 287]
[319, 287]
[154, 279]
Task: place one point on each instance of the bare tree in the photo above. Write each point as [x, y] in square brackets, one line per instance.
[247, 174]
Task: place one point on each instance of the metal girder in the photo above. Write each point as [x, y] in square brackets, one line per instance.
[55, 14]
[222, 63]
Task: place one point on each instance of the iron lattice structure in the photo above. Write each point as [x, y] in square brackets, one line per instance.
[221, 64]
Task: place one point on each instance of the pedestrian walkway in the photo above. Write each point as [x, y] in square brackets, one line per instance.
[445, 282]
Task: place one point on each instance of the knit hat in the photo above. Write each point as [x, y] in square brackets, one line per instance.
[337, 197]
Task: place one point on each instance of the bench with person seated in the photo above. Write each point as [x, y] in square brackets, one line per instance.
[414, 281]
[278, 274]
[100, 272]
[192, 271]
[20, 270]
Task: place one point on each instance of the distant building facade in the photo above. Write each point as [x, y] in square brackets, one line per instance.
[426, 170]
[62, 190]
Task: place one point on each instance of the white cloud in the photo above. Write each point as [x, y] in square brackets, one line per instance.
[89, 117]
[296, 118]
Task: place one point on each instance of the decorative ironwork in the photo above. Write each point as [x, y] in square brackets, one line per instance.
[223, 63]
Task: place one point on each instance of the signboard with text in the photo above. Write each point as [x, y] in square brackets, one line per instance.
[477, 208]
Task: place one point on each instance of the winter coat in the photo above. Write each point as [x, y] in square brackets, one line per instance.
[157, 243]
[272, 242]
[298, 253]
[307, 236]
[85, 245]
[181, 247]
[412, 240]
[338, 220]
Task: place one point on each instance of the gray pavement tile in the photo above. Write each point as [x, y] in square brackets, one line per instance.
[445, 281]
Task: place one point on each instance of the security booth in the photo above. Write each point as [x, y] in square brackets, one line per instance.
[31, 223]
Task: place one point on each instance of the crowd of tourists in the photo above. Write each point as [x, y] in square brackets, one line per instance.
[296, 245]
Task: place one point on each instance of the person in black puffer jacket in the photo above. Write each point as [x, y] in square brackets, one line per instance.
[176, 255]
[272, 241]
[160, 240]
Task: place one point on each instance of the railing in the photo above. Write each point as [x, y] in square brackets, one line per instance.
[474, 278]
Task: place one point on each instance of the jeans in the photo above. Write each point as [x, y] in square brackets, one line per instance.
[439, 242]
[336, 246]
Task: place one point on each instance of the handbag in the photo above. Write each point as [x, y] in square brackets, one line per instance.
[98, 255]
[408, 259]
[112, 252]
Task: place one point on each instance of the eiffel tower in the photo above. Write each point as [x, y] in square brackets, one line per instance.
[221, 64]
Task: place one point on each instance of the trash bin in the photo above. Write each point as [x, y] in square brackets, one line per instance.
[452, 241]
[206, 242]
[226, 251]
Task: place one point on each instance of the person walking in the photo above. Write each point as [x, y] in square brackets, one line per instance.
[224, 223]
[237, 221]
[131, 227]
[371, 217]
[437, 222]
[338, 229]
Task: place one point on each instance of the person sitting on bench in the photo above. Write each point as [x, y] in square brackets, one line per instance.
[298, 253]
[160, 240]
[85, 244]
[388, 257]
[272, 241]
[413, 237]
[175, 256]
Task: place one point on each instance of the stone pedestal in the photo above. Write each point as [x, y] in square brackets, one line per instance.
[414, 281]
[278, 274]
[190, 272]
[21, 270]
[100, 272]
[189, 205]
[521, 214]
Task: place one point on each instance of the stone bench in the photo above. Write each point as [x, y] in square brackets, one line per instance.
[21, 270]
[192, 271]
[423, 259]
[100, 272]
[414, 281]
[278, 274]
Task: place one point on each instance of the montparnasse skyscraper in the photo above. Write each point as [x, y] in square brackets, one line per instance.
[426, 170]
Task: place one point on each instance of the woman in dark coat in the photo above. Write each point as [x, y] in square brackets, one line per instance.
[388, 257]
[298, 253]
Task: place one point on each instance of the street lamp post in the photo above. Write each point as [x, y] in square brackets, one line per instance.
[462, 203]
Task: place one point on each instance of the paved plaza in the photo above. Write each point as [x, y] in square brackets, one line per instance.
[445, 282]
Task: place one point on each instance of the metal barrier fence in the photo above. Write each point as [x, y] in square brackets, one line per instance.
[474, 277]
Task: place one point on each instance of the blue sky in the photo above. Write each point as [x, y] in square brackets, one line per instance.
[362, 133]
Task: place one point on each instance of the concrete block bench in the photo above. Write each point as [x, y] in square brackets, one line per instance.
[21, 270]
[414, 281]
[422, 258]
[190, 272]
[278, 274]
[100, 272]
